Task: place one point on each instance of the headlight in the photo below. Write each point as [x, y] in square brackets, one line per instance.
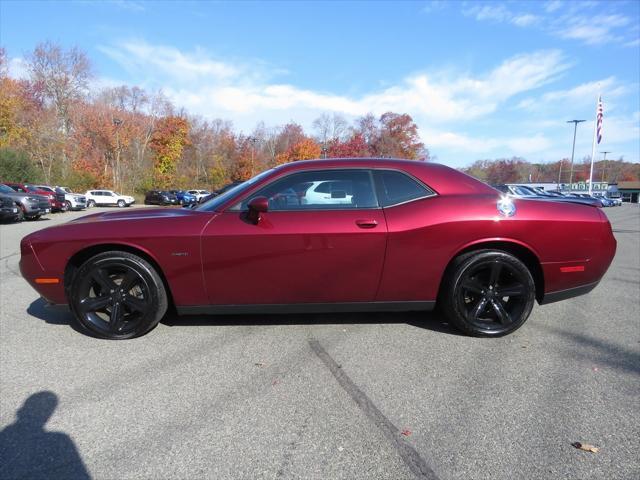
[32, 199]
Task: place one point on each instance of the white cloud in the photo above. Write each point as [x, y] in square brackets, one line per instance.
[577, 96]
[486, 146]
[592, 30]
[17, 68]
[566, 20]
[552, 6]
[493, 12]
[209, 86]
[499, 13]
[163, 60]
[525, 20]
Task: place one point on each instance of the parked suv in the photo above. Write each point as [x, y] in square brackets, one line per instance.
[9, 210]
[55, 204]
[61, 204]
[31, 206]
[105, 198]
[160, 197]
[184, 198]
[74, 201]
[199, 194]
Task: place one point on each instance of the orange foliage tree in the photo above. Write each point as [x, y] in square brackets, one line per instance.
[305, 149]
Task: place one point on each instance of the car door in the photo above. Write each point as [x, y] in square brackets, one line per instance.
[298, 252]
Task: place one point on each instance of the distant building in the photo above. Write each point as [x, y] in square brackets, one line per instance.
[630, 191]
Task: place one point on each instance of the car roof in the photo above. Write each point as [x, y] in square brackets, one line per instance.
[442, 179]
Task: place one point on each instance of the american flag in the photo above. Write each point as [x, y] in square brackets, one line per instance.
[599, 120]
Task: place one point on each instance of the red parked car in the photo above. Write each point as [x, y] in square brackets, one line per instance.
[56, 201]
[326, 236]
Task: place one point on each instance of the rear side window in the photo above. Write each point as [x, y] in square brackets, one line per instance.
[396, 187]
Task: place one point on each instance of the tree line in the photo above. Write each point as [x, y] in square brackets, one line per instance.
[519, 170]
[57, 129]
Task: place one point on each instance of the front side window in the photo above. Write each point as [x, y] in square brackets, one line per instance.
[396, 187]
[318, 190]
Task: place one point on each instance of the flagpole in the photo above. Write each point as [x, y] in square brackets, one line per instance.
[593, 145]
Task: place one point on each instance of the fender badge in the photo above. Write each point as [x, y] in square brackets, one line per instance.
[506, 207]
[179, 254]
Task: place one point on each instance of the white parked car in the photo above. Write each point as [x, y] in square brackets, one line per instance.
[199, 194]
[73, 201]
[105, 198]
[328, 193]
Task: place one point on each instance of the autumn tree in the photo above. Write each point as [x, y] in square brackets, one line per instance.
[305, 149]
[168, 141]
[354, 146]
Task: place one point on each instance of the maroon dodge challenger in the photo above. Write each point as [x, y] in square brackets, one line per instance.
[325, 236]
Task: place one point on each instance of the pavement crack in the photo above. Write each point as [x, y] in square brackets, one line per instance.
[408, 454]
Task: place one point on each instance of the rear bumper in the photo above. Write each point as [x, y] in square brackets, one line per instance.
[559, 295]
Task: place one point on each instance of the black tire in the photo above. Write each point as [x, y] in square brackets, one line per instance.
[122, 203]
[91, 204]
[488, 293]
[34, 217]
[67, 204]
[117, 295]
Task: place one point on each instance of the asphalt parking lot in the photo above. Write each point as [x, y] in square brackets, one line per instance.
[385, 396]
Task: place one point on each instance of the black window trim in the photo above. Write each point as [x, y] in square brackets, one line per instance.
[432, 193]
[253, 193]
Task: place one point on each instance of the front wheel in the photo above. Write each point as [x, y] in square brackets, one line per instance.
[67, 205]
[117, 295]
[488, 293]
[91, 204]
[122, 203]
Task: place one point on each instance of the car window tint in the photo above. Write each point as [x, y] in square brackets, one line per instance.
[319, 190]
[396, 187]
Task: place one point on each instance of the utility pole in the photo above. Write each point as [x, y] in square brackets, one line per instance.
[560, 173]
[604, 168]
[253, 141]
[573, 150]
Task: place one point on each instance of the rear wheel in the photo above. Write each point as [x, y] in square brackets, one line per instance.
[488, 293]
[117, 295]
[67, 205]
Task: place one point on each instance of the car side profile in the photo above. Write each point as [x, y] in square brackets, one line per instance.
[160, 197]
[104, 198]
[413, 235]
[199, 194]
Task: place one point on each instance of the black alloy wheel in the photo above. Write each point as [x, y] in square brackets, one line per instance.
[117, 295]
[489, 293]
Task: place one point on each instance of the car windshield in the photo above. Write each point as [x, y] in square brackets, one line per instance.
[5, 189]
[215, 203]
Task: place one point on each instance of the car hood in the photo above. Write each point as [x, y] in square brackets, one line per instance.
[137, 214]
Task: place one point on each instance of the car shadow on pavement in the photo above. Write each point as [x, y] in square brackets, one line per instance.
[426, 320]
[52, 315]
[27, 450]
[432, 321]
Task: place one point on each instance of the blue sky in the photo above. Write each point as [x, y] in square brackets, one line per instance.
[481, 79]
